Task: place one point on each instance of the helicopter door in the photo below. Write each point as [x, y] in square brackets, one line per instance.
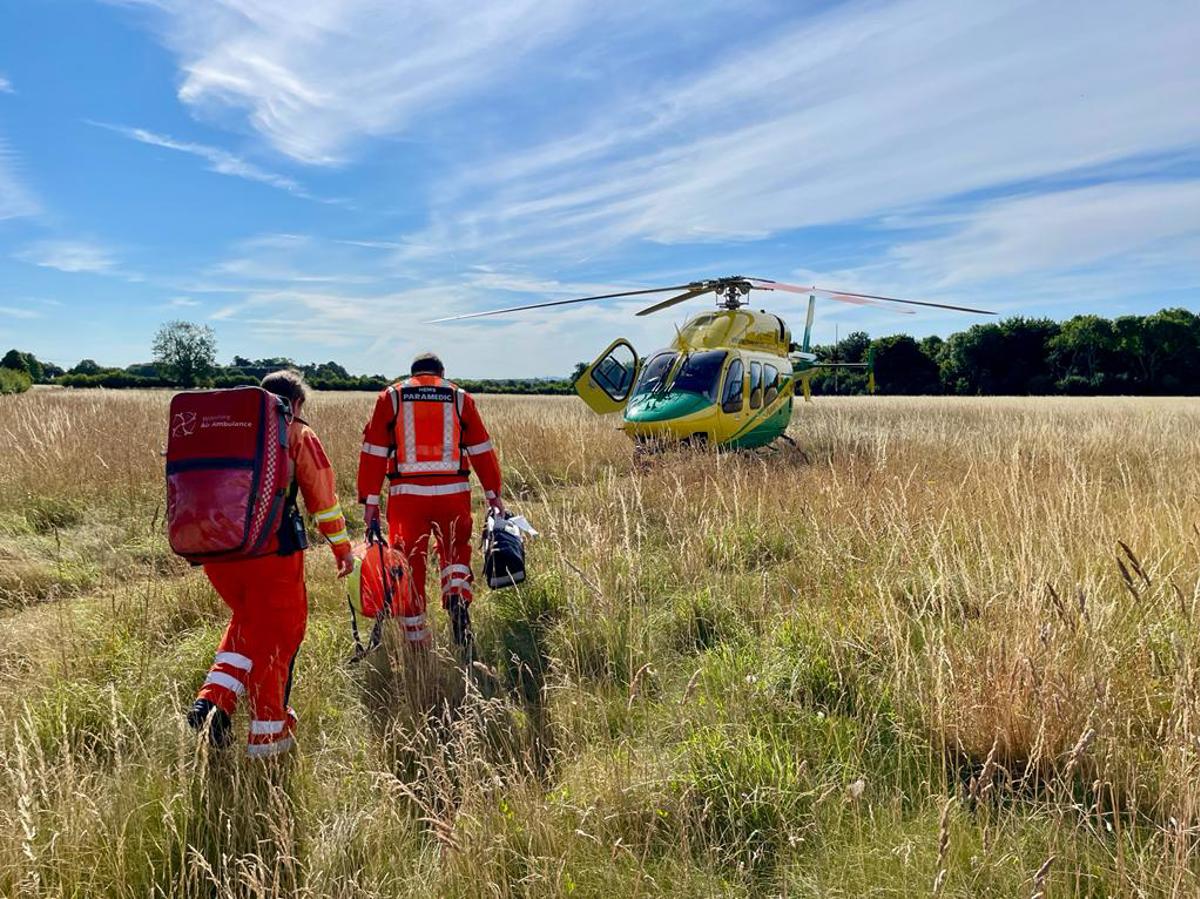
[733, 393]
[606, 384]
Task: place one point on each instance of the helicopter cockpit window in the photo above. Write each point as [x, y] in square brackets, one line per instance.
[655, 373]
[756, 385]
[770, 383]
[701, 373]
[733, 397]
[614, 373]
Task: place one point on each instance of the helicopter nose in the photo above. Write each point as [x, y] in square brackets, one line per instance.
[665, 407]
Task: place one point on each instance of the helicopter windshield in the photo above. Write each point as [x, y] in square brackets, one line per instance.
[655, 373]
[700, 372]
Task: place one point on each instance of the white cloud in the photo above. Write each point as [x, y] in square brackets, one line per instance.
[1060, 231]
[182, 302]
[314, 78]
[388, 327]
[220, 161]
[19, 312]
[6, 86]
[374, 244]
[69, 256]
[15, 199]
[295, 259]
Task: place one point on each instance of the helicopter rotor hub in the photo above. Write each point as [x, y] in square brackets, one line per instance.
[731, 293]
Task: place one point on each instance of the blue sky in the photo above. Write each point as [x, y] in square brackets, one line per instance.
[315, 178]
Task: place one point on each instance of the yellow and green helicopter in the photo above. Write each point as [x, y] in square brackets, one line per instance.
[728, 378]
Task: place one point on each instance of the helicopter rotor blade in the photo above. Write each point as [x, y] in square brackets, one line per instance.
[547, 305]
[863, 301]
[849, 296]
[666, 304]
[768, 284]
[840, 296]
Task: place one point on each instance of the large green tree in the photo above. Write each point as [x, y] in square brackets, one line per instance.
[86, 367]
[902, 366]
[13, 359]
[1157, 353]
[1173, 339]
[26, 362]
[185, 352]
[1082, 355]
[1009, 358]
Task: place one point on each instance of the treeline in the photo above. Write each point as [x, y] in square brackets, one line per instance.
[332, 376]
[19, 370]
[1156, 354]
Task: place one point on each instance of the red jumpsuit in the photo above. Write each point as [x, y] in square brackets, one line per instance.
[270, 609]
[426, 436]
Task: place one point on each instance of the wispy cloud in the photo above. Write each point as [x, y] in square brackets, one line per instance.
[15, 199]
[296, 259]
[182, 303]
[19, 312]
[220, 161]
[315, 78]
[388, 329]
[6, 85]
[860, 110]
[70, 256]
[374, 244]
[1059, 230]
[867, 109]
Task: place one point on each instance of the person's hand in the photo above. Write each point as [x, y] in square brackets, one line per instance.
[344, 559]
[370, 516]
[497, 504]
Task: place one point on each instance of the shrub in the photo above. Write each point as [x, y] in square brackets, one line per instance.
[46, 514]
[111, 378]
[234, 380]
[13, 381]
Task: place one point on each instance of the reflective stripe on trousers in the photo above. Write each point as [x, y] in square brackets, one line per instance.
[406, 489]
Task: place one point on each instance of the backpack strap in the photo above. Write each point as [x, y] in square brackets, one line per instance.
[464, 468]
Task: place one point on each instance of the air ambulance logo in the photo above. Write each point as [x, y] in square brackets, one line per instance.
[183, 424]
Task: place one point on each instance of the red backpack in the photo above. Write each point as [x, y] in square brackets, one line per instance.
[229, 476]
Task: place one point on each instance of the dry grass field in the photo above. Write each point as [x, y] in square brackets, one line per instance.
[943, 647]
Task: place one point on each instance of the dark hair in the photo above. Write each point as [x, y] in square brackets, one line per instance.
[428, 364]
[288, 384]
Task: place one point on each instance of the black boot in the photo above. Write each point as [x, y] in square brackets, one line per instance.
[205, 713]
[460, 620]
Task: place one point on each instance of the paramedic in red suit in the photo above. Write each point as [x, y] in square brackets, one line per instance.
[269, 602]
[425, 435]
